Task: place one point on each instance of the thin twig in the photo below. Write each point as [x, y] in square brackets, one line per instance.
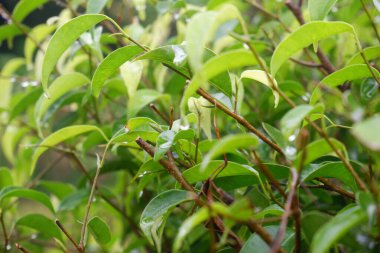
[5, 234]
[21, 248]
[371, 20]
[62, 228]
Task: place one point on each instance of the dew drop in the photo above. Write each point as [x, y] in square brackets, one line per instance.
[9, 247]
[290, 151]
[292, 138]
[24, 84]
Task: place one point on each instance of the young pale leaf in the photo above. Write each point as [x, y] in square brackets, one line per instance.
[6, 85]
[329, 170]
[196, 174]
[63, 38]
[304, 36]
[60, 136]
[42, 224]
[95, 6]
[319, 148]
[202, 28]
[199, 106]
[99, 230]
[261, 77]
[110, 64]
[293, 118]
[38, 33]
[226, 61]
[11, 137]
[319, 8]
[131, 73]
[24, 7]
[370, 53]
[189, 224]
[140, 100]
[19, 192]
[336, 228]
[157, 211]
[367, 132]
[230, 143]
[57, 89]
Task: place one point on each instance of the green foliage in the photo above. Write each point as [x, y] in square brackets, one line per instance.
[138, 126]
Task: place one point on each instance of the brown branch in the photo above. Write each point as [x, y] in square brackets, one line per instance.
[371, 20]
[62, 228]
[21, 248]
[332, 187]
[287, 212]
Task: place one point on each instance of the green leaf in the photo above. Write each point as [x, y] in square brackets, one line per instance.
[293, 118]
[157, 211]
[5, 177]
[229, 60]
[60, 86]
[164, 143]
[261, 77]
[8, 31]
[110, 64]
[62, 40]
[319, 148]
[311, 222]
[141, 99]
[304, 36]
[200, 107]
[95, 6]
[19, 192]
[337, 228]
[60, 136]
[318, 9]
[12, 135]
[59, 189]
[348, 73]
[202, 28]
[197, 174]
[25, 7]
[99, 230]
[230, 143]
[329, 170]
[36, 35]
[370, 53]
[257, 245]
[42, 224]
[367, 132]
[275, 134]
[131, 73]
[189, 224]
[6, 85]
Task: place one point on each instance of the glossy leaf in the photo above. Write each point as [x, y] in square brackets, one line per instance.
[197, 174]
[304, 36]
[367, 132]
[189, 224]
[5, 177]
[6, 84]
[42, 224]
[99, 230]
[320, 148]
[329, 170]
[62, 40]
[156, 212]
[199, 106]
[370, 53]
[318, 9]
[60, 86]
[19, 192]
[336, 228]
[293, 118]
[60, 136]
[228, 144]
[110, 65]
[141, 99]
[261, 77]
